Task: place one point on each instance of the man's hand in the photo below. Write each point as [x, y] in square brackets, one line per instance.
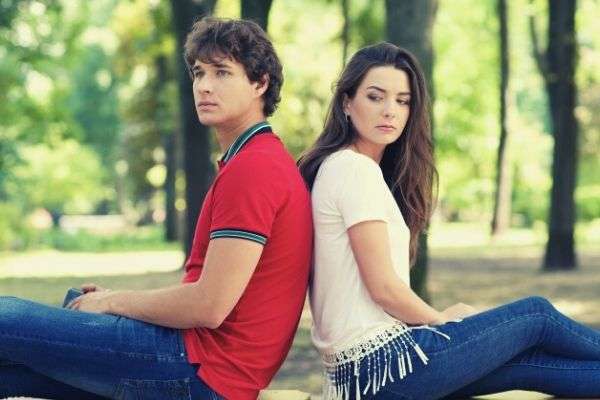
[92, 287]
[93, 302]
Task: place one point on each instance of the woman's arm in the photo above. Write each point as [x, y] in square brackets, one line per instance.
[370, 244]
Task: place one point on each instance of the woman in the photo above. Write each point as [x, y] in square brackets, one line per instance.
[371, 174]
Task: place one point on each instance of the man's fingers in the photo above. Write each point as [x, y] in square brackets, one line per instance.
[74, 304]
[88, 287]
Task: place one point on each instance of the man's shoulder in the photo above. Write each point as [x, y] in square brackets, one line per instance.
[268, 154]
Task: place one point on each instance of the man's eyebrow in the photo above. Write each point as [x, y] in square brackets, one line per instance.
[221, 65]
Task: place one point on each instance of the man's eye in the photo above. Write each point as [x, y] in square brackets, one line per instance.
[222, 72]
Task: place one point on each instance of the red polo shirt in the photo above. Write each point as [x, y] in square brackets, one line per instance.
[259, 195]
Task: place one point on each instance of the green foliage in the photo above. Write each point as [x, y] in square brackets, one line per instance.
[466, 104]
[11, 226]
[305, 37]
[62, 178]
[145, 67]
[143, 238]
[88, 97]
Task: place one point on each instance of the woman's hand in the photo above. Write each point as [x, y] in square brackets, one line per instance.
[457, 311]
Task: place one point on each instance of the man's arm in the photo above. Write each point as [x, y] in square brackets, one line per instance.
[228, 267]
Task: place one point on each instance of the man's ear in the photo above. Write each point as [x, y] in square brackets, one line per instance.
[262, 85]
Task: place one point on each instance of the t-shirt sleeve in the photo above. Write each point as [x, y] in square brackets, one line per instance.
[246, 199]
[361, 196]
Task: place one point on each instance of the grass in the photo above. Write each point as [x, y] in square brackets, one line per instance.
[473, 270]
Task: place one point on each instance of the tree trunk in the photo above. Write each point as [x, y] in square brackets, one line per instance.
[560, 82]
[199, 170]
[410, 24]
[502, 200]
[167, 139]
[345, 30]
[257, 11]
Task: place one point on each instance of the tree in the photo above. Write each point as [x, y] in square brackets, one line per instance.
[502, 201]
[557, 65]
[410, 25]
[199, 170]
[345, 4]
[257, 11]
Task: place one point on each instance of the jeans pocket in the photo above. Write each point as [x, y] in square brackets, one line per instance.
[142, 389]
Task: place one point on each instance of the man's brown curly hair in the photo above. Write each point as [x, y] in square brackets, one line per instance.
[212, 39]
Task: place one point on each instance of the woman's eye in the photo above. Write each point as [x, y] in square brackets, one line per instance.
[404, 102]
[374, 98]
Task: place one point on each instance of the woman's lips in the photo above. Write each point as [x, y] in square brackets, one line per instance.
[386, 128]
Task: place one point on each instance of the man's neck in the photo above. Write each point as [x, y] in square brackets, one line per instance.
[228, 133]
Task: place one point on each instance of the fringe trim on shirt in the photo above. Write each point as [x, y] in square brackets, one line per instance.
[342, 366]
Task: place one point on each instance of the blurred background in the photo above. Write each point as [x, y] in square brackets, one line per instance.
[103, 164]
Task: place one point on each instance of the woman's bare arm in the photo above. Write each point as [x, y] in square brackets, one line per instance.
[370, 244]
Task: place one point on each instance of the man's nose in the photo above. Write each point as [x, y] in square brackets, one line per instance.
[204, 85]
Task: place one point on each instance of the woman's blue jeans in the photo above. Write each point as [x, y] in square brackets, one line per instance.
[523, 345]
[58, 353]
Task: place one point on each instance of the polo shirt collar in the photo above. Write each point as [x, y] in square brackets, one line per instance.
[241, 140]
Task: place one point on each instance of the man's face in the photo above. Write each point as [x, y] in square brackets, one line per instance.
[223, 93]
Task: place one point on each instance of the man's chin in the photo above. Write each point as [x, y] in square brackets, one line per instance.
[209, 120]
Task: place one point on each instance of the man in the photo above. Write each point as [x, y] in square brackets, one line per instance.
[226, 330]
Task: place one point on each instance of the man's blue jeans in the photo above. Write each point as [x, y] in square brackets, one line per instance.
[525, 345]
[58, 353]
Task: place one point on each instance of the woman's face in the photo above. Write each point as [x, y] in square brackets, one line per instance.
[381, 106]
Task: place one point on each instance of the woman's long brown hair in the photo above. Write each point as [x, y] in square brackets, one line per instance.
[407, 164]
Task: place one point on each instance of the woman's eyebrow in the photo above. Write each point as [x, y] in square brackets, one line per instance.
[385, 91]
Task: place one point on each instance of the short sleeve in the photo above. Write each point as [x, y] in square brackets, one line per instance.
[362, 193]
[246, 199]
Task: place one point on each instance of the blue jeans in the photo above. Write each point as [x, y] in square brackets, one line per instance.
[58, 353]
[523, 345]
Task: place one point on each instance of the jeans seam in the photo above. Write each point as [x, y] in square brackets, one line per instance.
[528, 364]
[484, 332]
[557, 322]
[491, 329]
[160, 357]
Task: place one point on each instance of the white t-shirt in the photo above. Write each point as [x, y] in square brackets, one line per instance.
[349, 188]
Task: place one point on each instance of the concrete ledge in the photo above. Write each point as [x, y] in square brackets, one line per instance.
[283, 395]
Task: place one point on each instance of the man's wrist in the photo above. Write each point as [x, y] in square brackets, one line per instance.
[112, 302]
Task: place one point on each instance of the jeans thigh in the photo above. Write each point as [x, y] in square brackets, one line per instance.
[478, 345]
[92, 352]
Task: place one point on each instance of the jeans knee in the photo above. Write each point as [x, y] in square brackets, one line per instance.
[540, 304]
[12, 308]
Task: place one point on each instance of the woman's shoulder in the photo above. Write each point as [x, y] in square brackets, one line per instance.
[346, 160]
